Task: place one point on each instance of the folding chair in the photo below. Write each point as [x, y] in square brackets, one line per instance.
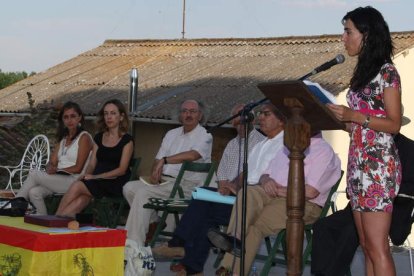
[35, 157]
[279, 246]
[173, 205]
[108, 210]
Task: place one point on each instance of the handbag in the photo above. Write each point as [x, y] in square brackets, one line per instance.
[139, 259]
[15, 207]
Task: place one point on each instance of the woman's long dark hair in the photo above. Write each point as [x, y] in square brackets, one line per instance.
[377, 47]
[63, 131]
[123, 125]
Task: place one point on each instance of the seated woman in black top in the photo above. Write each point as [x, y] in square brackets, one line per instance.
[108, 169]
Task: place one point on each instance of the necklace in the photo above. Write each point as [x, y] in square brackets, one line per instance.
[66, 147]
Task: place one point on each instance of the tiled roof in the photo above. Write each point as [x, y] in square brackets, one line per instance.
[220, 72]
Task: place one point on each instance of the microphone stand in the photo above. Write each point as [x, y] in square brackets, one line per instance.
[246, 117]
[304, 77]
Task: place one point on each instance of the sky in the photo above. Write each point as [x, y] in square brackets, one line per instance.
[36, 35]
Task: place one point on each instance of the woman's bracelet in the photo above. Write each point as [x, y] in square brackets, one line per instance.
[366, 122]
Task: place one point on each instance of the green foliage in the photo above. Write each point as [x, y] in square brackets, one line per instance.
[8, 78]
[31, 101]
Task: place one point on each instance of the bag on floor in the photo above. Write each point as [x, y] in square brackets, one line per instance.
[140, 261]
[15, 207]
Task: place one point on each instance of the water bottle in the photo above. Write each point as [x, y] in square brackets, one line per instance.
[254, 271]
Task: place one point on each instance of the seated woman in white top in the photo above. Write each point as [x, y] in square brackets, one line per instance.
[67, 161]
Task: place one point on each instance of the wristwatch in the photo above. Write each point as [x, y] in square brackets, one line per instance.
[366, 122]
[165, 160]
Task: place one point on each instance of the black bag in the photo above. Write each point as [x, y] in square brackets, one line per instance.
[15, 207]
[402, 217]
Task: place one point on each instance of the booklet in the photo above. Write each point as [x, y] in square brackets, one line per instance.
[147, 181]
[207, 195]
[322, 94]
[63, 172]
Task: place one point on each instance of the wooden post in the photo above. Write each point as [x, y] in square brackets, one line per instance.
[296, 139]
[306, 114]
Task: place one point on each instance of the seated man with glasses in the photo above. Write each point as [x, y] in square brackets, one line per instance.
[190, 142]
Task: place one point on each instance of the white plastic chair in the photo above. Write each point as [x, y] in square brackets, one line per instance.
[35, 157]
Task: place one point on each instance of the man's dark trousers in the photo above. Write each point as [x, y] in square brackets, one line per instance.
[198, 218]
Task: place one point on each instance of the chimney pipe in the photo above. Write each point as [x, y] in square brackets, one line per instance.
[133, 97]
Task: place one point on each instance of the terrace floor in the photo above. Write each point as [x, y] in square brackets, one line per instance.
[400, 254]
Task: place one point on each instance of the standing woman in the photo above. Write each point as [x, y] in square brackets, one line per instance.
[374, 169]
[108, 169]
[67, 161]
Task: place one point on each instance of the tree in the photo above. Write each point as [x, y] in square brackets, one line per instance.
[8, 78]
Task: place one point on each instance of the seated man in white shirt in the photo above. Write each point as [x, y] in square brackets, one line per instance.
[190, 142]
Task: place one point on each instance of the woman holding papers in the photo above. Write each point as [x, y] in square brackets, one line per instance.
[67, 161]
[108, 169]
[374, 115]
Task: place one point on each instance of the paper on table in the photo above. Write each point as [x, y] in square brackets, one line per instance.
[207, 195]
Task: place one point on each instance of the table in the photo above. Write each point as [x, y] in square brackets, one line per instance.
[27, 249]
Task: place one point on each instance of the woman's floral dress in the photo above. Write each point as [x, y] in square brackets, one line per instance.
[374, 168]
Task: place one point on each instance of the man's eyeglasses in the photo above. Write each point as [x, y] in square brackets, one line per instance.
[264, 113]
[191, 111]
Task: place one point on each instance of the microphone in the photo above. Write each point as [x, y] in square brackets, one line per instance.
[337, 60]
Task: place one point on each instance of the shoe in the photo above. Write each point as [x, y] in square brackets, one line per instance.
[169, 252]
[222, 271]
[176, 267]
[224, 242]
[183, 272]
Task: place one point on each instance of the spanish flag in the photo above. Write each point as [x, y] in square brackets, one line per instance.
[27, 249]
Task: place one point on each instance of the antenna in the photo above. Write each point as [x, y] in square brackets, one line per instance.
[183, 31]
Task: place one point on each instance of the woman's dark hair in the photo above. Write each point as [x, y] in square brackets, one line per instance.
[63, 131]
[123, 125]
[377, 47]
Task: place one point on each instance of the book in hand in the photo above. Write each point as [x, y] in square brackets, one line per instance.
[147, 181]
[63, 172]
[323, 95]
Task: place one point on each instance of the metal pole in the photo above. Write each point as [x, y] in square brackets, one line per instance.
[133, 98]
[183, 32]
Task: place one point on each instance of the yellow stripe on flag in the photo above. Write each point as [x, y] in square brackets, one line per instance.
[85, 261]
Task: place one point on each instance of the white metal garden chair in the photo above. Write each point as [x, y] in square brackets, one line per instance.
[35, 157]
